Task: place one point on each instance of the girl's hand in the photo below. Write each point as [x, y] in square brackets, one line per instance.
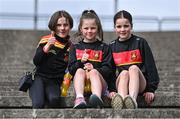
[52, 39]
[85, 56]
[51, 42]
[88, 66]
[149, 97]
[111, 94]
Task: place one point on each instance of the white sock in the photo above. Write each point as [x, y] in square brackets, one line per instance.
[79, 95]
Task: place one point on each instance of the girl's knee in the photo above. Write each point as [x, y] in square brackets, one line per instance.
[123, 78]
[93, 72]
[124, 74]
[80, 71]
[133, 68]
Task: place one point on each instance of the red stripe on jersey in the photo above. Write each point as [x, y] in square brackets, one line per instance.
[94, 55]
[127, 57]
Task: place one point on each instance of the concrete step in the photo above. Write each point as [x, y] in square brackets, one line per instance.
[162, 50]
[169, 71]
[90, 113]
[165, 63]
[163, 85]
[20, 71]
[164, 91]
[16, 92]
[168, 85]
[8, 88]
[168, 89]
[159, 54]
[16, 88]
[13, 93]
[15, 78]
[165, 100]
[169, 78]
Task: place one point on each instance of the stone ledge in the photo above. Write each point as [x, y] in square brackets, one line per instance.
[163, 82]
[14, 79]
[167, 100]
[14, 91]
[90, 113]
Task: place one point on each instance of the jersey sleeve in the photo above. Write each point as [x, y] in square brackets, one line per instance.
[39, 55]
[151, 75]
[73, 63]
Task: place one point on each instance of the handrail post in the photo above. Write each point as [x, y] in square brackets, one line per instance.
[115, 6]
[160, 25]
[35, 14]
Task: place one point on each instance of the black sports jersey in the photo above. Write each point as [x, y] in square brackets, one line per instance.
[54, 63]
[100, 56]
[136, 51]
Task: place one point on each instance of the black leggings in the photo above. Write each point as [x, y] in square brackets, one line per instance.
[45, 92]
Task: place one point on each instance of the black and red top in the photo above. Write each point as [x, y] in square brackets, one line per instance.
[136, 51]
[54, 63]
[100, 56]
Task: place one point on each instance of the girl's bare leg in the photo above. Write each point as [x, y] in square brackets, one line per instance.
[122, 83]
[79, 82]
[137, 82]
[97, 82]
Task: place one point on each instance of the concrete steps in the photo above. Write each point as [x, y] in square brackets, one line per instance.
[14, 61]
[19, 71]
[13, 91]
[15, 78]
[90, 113]
[166, 100]
[13, 86]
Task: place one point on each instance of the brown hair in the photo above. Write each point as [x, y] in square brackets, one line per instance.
[123, 14]
[54, 18]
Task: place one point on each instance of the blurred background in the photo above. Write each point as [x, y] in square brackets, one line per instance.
[148, 15]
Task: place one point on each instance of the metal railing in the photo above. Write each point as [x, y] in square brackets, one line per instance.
[40, 21]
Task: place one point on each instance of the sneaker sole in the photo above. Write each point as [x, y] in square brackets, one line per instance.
[80, 106]
[129, 103]
[95, 102]
[117, 102]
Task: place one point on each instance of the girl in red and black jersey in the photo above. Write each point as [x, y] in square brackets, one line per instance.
[51, 59]
[90, 59]
[135, 63]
